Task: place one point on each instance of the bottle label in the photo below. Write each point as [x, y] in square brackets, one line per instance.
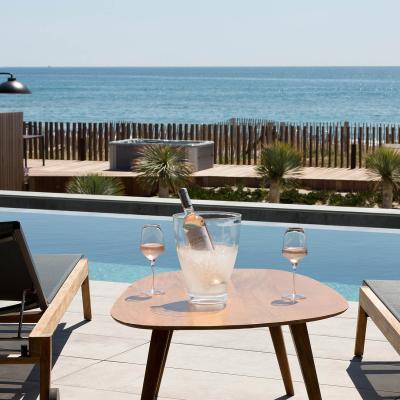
[197, 233]
[194, 225]
[199, 238]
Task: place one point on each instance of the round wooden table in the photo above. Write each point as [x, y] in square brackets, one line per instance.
[254, 300]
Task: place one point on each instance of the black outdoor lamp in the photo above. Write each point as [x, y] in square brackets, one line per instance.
[12, 86]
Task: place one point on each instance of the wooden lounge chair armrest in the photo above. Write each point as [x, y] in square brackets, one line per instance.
[387, 323]
[57, 308]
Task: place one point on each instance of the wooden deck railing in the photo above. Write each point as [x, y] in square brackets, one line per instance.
[339, 144]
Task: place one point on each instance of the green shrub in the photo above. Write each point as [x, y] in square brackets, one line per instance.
[292, 196]
[162, 167]
[227, 193]
[335, 199]
[367, 199]
[288, 196]
[384, 164]
[276, 162]
[377, 197]
[317, 197]
[95, 184]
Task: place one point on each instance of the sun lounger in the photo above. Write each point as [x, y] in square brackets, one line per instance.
[379, 300]
[43, 286]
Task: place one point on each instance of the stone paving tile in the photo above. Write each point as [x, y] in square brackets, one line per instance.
[100, 305]
[110, 376]
[252, 339]
[351, 312]
[343, 348]
[200, 385]
[71, 392]
[259, 340]
[29, 391]
[92, 346]
[328, 345]
[102, 325]
[63, 366]
[104, 359]
[107, 289]
[209, 359]
[239, 362]
[382, 376]
[341, 327]
[249, 363]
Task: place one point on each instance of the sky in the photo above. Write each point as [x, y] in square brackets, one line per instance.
[199, 32]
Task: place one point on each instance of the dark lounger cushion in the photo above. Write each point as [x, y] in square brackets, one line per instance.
[53, 270]
[389, 294]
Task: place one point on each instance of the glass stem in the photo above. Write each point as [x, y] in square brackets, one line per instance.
[294, 268]
[152, 262]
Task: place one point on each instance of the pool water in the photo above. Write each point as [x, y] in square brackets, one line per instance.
[338, 256]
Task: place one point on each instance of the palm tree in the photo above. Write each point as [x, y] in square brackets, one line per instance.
[95, 184]
[384, 164]
[276, 162]
[163, 167]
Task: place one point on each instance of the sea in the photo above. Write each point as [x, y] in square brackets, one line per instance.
[207, 95]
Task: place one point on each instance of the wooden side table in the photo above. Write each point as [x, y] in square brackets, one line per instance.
[42, 145]
[254, 300]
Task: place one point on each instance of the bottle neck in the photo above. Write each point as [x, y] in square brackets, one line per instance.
[185, 201]
[188, 210]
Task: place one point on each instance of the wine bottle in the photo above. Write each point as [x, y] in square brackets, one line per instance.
[194, 225]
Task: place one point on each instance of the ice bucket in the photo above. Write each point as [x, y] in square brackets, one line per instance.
[207, 272]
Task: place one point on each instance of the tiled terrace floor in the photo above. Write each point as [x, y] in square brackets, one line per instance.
[102, 359]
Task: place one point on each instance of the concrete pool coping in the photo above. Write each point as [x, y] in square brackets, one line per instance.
[285, 213]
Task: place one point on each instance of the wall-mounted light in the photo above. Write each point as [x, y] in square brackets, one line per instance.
[12, 86]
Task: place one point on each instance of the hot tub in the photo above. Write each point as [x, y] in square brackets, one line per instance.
[121, 152]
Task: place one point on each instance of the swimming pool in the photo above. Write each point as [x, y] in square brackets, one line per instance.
[341, 257]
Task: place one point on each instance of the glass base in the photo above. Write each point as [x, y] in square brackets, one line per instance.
[208, 300]
[154, 292]
[293, 297]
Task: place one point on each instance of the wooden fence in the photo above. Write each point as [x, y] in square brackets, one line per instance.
[246, 121]
[341, 144]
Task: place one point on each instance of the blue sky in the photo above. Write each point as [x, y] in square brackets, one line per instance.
[199, 32]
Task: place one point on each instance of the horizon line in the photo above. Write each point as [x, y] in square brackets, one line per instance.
[202, 66]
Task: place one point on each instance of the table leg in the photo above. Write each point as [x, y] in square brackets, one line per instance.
[361, 331]
[304, 354]
[158, 351]
[281, 355]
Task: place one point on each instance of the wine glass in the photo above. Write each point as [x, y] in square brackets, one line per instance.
[294, 249]
[151, 246]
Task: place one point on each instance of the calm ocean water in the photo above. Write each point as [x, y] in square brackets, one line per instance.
[358, 94]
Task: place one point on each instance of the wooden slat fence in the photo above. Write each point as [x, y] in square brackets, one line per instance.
[330, 145]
